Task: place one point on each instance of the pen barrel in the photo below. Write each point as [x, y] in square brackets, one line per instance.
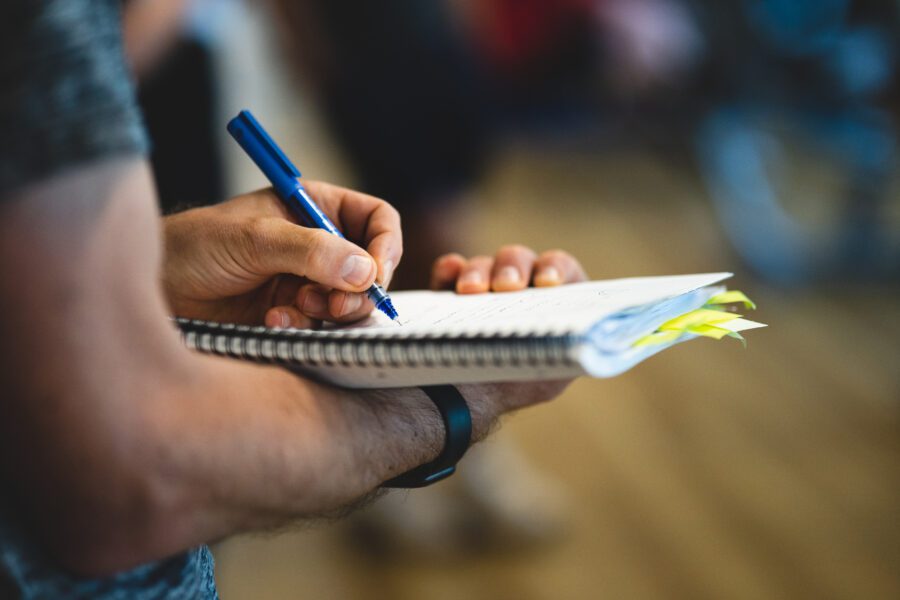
[265, 153]
[309, 212]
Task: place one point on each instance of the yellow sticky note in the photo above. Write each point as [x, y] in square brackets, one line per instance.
[710, 331]
[701, 316]
[708, 321]
[730, 297]
[659, 337]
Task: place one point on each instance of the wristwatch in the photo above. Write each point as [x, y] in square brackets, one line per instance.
[458, 427]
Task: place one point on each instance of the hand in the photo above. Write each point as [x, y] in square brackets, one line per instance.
[511, 268]
[247, 261]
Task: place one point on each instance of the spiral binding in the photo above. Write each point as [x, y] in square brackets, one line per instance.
[308, 348]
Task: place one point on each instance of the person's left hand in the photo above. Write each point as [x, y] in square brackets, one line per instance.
[513, 267]
[248, 261]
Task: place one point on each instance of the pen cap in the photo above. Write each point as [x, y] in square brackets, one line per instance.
[247, 132]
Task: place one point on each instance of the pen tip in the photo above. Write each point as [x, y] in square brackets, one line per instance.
[387, 308]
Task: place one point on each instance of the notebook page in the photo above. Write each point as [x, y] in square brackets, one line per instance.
[564, 309]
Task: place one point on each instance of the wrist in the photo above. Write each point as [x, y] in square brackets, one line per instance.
[457, 420]
[484, 405]
[409, 431]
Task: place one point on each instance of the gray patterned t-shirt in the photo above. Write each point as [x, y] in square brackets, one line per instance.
[66, 95]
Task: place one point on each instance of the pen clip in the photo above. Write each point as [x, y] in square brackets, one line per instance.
[253, 127]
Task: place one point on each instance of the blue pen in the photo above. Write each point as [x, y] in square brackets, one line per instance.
[247, 132]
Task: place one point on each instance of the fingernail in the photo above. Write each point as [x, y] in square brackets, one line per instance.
[351, 303]
[357, 270]
[387, 267]
[313, 303]
[548, 276]
[508, 275]
[469, 280]
[278, 318]
[471, 277]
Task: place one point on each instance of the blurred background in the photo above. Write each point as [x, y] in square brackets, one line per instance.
[647, 137]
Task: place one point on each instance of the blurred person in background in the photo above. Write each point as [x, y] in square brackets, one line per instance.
[419, 93]
[122, 453]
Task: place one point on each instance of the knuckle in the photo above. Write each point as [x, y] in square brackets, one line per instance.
[514, 250]
[392, 212]
[479, 263]
[314, 241]
[314, 247]
[449, 257]
[258, 233]
[555, 255]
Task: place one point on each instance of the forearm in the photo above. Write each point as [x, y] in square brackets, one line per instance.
[268, 446]
[238, 447]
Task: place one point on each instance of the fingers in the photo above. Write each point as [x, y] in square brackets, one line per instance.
[475, 275]
[512, 268]
[348, 307]
[320, 303]
[367, 220]
[278, 246]
[555, 267]
[289, 316]
[386, 252]
[508, 271]
[445, 271]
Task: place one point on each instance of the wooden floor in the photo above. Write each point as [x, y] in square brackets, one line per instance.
[710, 471]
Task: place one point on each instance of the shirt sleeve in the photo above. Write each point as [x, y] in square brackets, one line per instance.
[66, 95]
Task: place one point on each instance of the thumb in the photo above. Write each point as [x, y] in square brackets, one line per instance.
[279, 246]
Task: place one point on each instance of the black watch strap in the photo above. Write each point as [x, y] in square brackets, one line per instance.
[458, 435]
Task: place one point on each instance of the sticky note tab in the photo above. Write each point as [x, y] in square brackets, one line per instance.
[701, 316]
[731, 297]
[710, 331]
[707, 322]
[659, 337]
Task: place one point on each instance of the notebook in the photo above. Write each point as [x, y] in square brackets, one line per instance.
[596, 328]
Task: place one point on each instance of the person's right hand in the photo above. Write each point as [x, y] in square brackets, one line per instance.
[512, 268]
[248, 261]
